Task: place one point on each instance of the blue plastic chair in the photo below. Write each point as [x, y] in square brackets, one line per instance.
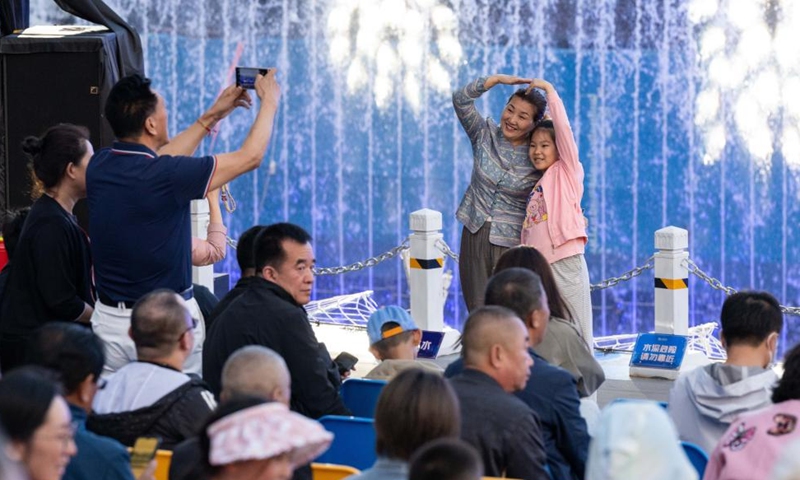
[697, 457]
[360, 395]
[353, 442]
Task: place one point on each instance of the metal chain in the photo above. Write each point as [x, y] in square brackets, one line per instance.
[717, 285]
[442, 245]
[370, 262]
[613, 281]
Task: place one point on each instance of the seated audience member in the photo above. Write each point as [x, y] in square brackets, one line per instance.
[637, 440]
[139, 196]
[414, 408]
[51, 279]
[446, 459]
[76, 355]
[550, 391]
[36, 419]
[247, 267]
[264, 441]
[496, 363]
[562, 345]
[270, 313]
[152, 396]
[703, 402]
[394, 340]
[252, 371]
[753, 442]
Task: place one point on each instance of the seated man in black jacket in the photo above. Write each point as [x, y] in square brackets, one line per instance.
[152, 396]
[551, 392]
[505, 431]
[270, 313]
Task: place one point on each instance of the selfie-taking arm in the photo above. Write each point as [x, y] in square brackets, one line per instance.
[186, 142]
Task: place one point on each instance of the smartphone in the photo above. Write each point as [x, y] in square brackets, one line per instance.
[144, 450]
[246, 76]
[345, 362]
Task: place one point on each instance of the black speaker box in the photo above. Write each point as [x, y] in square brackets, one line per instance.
[47, 81]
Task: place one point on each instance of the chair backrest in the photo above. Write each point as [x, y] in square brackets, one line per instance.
[353, 442]
[360, 395]
[163, 460]
[330, 471]
[697, 457]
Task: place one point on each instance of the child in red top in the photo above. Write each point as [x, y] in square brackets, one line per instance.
[554, 222]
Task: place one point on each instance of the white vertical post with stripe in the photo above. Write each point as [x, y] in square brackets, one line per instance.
[672, 281]
[425, 279]
[200, 217]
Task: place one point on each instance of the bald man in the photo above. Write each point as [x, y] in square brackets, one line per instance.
[551, 392]
[251, 371]
[256, 370]
[504, 430]
[152, 396]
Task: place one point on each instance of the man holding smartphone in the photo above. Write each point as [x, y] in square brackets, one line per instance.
[139, 193]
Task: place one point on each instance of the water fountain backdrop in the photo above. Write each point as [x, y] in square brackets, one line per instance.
[350, 164]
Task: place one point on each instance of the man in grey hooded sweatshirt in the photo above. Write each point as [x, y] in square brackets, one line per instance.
[704, 401]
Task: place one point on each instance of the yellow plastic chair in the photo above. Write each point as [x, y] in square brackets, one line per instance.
[331, 471]
[163, 459]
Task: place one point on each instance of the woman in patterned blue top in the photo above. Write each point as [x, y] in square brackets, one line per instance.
[493, 206]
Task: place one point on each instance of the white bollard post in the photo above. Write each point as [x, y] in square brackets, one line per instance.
[200, 218]
[427, 304]
[672, 281]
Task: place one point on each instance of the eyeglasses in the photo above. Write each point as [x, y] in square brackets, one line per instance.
[66, 436]
[195, 322]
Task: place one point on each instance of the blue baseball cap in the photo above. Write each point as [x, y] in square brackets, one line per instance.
[385, 315]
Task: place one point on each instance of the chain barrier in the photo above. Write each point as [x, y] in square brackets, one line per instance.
[717, 285]
[613, 281]
[442, 245]
[370, 262]
[607, 283]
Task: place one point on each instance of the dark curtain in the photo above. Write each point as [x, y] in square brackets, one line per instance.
[130, 57]
[14, 15]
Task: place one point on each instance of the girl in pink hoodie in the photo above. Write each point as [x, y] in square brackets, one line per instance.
[554, 222]
[754, 442]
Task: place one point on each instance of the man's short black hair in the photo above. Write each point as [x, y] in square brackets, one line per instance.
[748, 318]
[268, 248]
[70, 350]
[518, 289]
[129, 104]
[245, 254]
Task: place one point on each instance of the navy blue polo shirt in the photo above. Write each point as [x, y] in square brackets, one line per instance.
[139, 218]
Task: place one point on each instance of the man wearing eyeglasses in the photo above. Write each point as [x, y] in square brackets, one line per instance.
[152, 396]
